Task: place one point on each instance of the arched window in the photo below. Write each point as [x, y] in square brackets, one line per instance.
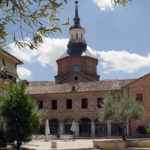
[77, 36]
[81, 36]
[72, 36]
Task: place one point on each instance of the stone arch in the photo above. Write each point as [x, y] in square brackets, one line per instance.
[67, 126]
[54, 126]
[100, 128]
[116, 129]
[85, 127]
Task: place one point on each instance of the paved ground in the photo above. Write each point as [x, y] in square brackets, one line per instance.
[82, 144]
[61, 144]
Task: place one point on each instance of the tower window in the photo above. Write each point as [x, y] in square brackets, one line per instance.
[54, 104]
[69, 103]
[81, 36]
[100, 102]
[84, 103]
[77, 36]
[71, 36]
[139, 97]
[76, 68]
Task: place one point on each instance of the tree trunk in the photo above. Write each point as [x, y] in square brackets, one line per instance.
[18, 146]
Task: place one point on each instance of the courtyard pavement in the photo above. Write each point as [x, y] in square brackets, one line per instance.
[70, 144]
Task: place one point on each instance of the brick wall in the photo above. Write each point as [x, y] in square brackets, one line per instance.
[87, 68]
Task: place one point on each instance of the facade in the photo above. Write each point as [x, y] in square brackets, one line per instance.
[76, 96]
[8, 66]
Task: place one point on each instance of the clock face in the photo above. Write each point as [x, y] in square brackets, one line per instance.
[76, 68]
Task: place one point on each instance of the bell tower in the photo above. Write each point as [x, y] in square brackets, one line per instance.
[77, 44]
[77, 64]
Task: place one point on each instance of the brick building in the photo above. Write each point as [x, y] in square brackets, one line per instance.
[8, 66]
[77, 93]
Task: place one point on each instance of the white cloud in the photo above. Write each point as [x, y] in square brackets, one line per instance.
[104, 4]
[24, 54]
[51, 49]
[46, 54]
[124, 61]
[23, 72]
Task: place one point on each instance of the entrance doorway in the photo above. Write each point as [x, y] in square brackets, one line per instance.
[67, 126]
[100, 129]
[54, 126]
[85, 127]
[116, 129]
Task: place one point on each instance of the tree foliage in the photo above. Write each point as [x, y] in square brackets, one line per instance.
[121, 108]
[31, 18]
[19, 113]
[120, 2]
[3, 140]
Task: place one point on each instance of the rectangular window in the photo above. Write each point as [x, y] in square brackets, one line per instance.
[40, 105]
[84, 103]
[69, 103]
[100, 102]
[54, 104]
[139, 97]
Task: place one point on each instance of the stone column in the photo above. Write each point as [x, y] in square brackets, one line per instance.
[127, 128]
[108, 128]
[77, 129]
[92, 129]
[61, 128]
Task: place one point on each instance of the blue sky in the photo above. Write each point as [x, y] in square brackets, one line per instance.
[120, 37]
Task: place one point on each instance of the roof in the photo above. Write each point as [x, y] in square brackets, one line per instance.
[11, 57]
[136, 80]
[49, 87]
[86, 53]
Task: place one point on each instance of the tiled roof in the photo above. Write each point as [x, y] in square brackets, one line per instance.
[2, 52]
[86, 53]
[45, 87]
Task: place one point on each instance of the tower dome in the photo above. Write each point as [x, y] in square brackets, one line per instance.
[77, 64]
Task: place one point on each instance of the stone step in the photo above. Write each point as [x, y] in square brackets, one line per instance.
[137, 148]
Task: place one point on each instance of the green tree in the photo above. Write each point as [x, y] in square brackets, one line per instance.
[31, 18]
[121, 109]
[3, 140]
[20, 114]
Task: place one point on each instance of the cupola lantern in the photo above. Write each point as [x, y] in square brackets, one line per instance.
[77, 44]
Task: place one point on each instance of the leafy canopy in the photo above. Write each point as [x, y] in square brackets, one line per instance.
[121, 108]
[28, 18]
[19, 113]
